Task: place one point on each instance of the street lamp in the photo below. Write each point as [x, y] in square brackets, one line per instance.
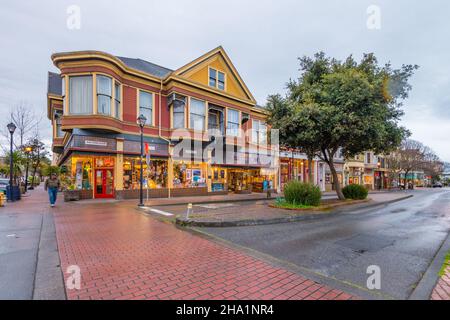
[27, 152]
[11, 129]
[141, 121]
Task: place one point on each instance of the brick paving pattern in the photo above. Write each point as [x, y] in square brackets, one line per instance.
[125, 255]
[442, 289]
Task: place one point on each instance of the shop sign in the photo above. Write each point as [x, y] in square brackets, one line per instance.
[96, 143]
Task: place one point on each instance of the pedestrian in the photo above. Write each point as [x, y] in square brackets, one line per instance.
[52, 185]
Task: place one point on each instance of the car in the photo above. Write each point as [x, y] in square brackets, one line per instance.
[4, 183]
[437, 185]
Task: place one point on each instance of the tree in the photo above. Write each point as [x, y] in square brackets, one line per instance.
[344, 105]
[37, 155]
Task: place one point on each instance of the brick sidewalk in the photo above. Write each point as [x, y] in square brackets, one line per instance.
[442, 289]
[126, 255]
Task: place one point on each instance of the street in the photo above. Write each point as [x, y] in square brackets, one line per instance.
[123, 253]
[401, 238]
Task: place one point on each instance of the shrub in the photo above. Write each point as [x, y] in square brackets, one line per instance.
[355, 191]
[300, 193]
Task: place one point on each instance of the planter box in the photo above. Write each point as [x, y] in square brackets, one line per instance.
[72, 195]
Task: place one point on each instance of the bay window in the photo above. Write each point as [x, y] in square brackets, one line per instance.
[80, 95]
[232, 122]
[146, 106]
[259, 132]
[117, 100]
[178, 115]
[104, 95]
[197, 114]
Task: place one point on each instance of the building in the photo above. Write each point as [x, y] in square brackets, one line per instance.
[204, 133]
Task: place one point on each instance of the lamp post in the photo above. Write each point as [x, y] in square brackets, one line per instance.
[11, 129]
[141, 121]
[27, 152]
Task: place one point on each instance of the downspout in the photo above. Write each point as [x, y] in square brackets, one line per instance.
[159, 130]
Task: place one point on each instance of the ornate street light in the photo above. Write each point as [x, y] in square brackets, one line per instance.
[11, 128]
[141, 121]
[27, 152]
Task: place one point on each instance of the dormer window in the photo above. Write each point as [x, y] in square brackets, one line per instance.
[216, 79]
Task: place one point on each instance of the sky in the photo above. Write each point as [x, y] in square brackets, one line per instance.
[263, 39]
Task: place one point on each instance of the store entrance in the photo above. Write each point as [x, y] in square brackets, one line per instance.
[104, 183]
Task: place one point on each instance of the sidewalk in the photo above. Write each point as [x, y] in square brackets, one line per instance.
[442, 289]
[232, 214]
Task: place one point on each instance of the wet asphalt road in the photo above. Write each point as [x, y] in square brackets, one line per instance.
[401, 238]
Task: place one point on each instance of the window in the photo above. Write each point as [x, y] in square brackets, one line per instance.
[368, 158]
[259, 132]
[216, 79]
[146, 106]
[117, 99]
[212, 77]
[221, 81]
[178, 114]
[104, 95]
[197, 114]
[232, 122]
[63, 91]
[59, 132]
[80, 95]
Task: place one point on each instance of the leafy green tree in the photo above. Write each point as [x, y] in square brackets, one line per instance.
[345, 105]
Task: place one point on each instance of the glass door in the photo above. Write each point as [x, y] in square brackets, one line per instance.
[104, 183]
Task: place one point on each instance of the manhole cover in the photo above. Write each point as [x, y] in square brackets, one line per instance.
[363, 242]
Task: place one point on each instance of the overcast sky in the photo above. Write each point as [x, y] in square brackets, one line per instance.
[263, 39]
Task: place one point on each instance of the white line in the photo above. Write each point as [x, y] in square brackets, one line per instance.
[164, 213]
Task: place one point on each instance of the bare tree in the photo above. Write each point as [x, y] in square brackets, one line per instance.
[26, 121]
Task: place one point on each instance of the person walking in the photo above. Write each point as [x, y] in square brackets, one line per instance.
[52, 185]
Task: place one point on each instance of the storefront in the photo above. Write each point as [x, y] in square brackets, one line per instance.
[368, 179]
[329, 181]
[294, 166]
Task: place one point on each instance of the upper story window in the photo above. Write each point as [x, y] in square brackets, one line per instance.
[58, 131]
[63, 91]
[178, 114]
[80, 97]
[259, 132]
[197, 114]
[146, 106]
[232, 122]
[117, 99]
[368, 158]
[216, 79]
[104, 95]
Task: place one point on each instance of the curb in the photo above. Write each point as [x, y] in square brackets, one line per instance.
[255, 222]
[207, 202]
[425, 287]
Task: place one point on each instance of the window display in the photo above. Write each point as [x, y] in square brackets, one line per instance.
[189, 175]
[155, 175]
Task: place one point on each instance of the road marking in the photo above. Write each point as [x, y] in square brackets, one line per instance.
[164, 213]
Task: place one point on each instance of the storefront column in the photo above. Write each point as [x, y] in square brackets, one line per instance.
[118, 169]
[209, 172]
[170, 169]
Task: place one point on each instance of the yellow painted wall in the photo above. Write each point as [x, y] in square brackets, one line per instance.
[200, 74]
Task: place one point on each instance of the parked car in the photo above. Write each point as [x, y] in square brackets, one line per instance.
[3, 184]
[437, 185]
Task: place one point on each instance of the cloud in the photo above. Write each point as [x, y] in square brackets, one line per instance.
[262, 37]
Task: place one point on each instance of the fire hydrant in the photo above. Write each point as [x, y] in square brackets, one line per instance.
[2, 199]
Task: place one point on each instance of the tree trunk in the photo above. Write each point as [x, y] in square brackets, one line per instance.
[310, 169]
[337, 185]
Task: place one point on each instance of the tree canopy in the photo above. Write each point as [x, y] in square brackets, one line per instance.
[342, 105]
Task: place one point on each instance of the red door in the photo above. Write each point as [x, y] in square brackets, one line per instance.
[104, 183]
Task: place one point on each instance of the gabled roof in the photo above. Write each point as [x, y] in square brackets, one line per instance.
[146, 66]
[54, 85]
[217, 51]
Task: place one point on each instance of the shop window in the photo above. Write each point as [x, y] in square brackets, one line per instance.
[80, 95]
[104, 95]
[155, 175]
[188, 175]
[81, 177]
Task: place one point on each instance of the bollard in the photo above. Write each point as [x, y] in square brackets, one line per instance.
[188, 211]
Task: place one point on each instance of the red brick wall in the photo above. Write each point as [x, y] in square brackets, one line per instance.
[129, 104]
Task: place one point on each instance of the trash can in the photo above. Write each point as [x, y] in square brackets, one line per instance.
[15, 195]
